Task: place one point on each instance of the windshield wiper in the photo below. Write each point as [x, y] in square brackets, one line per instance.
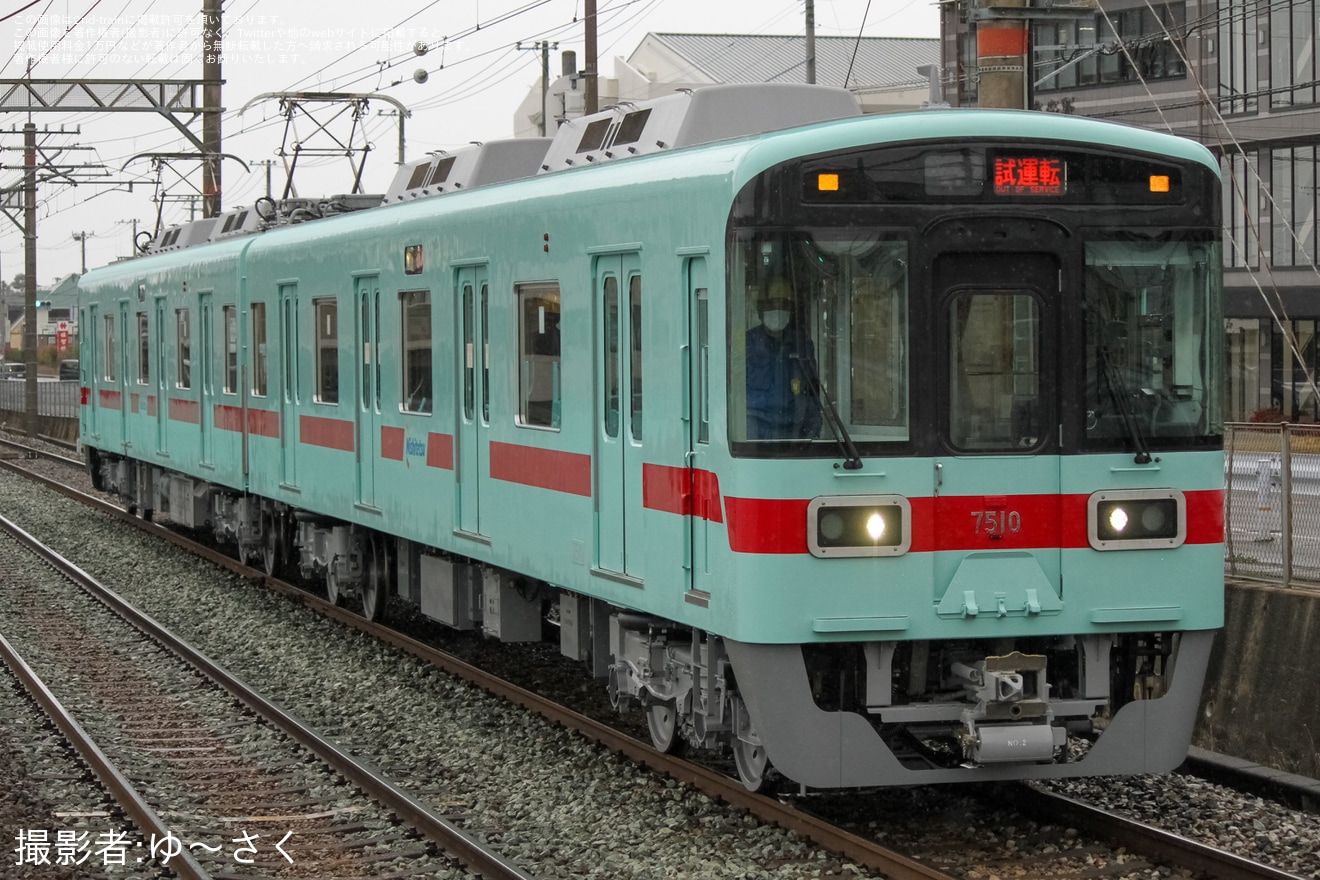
[1123, 399]
[852, 459]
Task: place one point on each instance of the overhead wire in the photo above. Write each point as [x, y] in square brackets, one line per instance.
[1225, 139]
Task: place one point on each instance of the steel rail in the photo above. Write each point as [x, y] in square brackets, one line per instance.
[1176, 850]
[451, 838]
[123, 791]
[30, 452]
[858, 849]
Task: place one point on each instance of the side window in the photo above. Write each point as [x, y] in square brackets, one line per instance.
[184, 334]
[327, 350]
[144, 349]
[635, 351]
[485, 353]
[110, 348]
[230, 316]
[259, 349]
[703, 366]
[469, 354]
[416, 308]
[539, 359]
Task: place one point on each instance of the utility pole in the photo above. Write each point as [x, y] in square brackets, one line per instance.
[545, 48]
[590, 96]
[81, 238]
[811, 42]
[212, 48]
[30, 270]
[268, 164]
[134, 249]
[1002, 56]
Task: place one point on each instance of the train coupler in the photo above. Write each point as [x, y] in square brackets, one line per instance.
[1011, 721]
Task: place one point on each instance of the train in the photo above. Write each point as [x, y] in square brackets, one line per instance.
[860, 450]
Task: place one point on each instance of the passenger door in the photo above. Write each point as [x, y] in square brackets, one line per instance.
[289, 390]
[472, 462]
[92, 371]
[160, 352]
[205, 376]
[619, 423]
[368, 387]
[703, 498]
[997, 485]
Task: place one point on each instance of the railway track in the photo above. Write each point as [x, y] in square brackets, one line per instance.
[228, 783]
[1140, 849]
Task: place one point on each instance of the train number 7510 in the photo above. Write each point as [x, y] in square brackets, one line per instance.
[997, 522]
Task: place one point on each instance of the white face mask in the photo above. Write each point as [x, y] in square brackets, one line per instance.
[775, 321]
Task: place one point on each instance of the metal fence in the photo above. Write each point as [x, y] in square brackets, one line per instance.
[1272, 503]
[58, 399]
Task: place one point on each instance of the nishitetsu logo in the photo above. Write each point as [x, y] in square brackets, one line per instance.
[414, 448]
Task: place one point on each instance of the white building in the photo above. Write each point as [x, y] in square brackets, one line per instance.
[881, 71]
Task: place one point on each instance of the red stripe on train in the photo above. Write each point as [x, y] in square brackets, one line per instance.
[682, 491]
[391, 443]
[262, 422]
[961, 523]
[329, 433]
[440, 451]
[181, 410]
[544, 468]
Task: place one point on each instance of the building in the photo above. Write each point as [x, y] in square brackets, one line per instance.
[1238, 76]
[882, 71]
[57, 316]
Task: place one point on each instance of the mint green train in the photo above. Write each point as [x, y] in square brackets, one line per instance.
[869, 450]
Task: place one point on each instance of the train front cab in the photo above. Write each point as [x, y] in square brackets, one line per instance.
[1004, 521]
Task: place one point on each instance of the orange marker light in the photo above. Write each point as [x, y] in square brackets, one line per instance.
[1159, 183]
[827, 182]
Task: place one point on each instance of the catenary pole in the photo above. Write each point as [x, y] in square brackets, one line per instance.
[212, 53]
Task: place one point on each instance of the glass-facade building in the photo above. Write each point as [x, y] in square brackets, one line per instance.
[1239, 76]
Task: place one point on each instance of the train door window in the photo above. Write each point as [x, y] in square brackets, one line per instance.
[485, 353]
[183, 335]
[229, 314]
[539, 355]
[703, 366]
[109, 348]
[635, 351]
[144, 349]
[994, 371]
[610, 293]
[290, 347]
[415, 306]
[259, 369]
[327, 350]
[469, 355]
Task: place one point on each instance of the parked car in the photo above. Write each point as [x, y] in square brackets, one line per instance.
[69, 370]
[13, 371]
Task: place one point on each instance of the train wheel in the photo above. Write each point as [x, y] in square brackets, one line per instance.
[752, 762]
[662, 721]
[374, 579]
[333, 594]
[272, 543]
[748, 752]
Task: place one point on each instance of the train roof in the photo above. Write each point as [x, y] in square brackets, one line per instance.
[702, 129]
[624, 131]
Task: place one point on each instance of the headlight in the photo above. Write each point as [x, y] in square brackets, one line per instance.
[859, 525]
[1138, 519]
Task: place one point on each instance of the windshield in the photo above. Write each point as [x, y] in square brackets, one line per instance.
[819, 327]
[1153, 342]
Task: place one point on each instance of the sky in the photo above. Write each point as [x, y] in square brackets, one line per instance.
[475, 78]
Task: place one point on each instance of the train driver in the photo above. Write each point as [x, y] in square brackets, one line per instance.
[782, 383]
